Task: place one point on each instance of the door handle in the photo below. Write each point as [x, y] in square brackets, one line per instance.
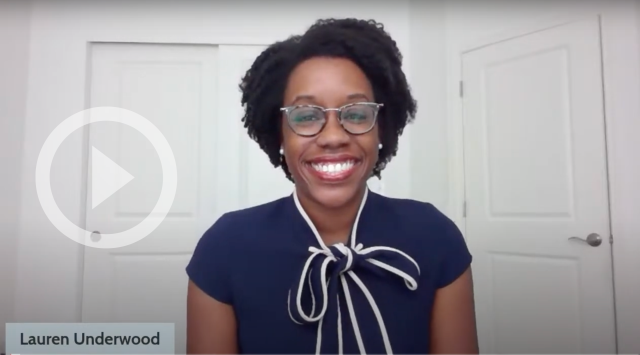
[96, 236]
[593, 239]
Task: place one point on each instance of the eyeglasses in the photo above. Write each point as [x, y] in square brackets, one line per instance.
[355, 118]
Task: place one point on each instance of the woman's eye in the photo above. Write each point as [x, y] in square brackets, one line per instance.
[304, 118]
[355, 116]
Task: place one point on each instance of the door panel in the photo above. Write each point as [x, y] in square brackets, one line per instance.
[177, 87]
[536, 175]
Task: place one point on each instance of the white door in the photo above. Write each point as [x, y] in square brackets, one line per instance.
[536, 176]
[180, 88]
[190, 92]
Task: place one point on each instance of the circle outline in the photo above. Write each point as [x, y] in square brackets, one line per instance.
[80, 120]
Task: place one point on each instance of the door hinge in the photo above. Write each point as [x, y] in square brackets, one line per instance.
[464, 209]
[461, 88]
[611, 239]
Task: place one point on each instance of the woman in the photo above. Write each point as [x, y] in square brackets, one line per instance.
[333, 268]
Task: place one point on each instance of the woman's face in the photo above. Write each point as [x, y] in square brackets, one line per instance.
[331, 167]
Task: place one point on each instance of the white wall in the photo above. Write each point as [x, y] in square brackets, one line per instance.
[430, 176]
[622, 58]
[14, 37]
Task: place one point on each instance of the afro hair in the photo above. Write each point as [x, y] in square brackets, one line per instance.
[366, 43]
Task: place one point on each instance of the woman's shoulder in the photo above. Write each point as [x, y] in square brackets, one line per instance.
[215, 258]
[436, 235]
[430, 235]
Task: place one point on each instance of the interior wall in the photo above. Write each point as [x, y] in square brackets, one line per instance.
[14, 40]
[622, 86]
[430, 178]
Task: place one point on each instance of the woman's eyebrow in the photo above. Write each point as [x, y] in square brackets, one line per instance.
[303, 97]
[312, 98]
[358, 96]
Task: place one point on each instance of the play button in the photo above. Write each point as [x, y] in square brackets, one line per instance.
[107, 177]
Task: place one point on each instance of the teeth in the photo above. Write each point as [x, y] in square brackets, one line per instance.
[333, 168]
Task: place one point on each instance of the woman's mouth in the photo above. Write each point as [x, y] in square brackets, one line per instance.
[334, 171]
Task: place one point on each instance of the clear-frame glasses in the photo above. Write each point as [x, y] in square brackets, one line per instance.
[309, 120]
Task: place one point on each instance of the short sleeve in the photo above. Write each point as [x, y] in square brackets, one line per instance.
[210, 265]
[454, 258]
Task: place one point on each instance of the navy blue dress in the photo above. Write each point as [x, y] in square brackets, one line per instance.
[294, 295]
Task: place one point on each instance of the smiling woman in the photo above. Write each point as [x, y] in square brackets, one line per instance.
[333, 268]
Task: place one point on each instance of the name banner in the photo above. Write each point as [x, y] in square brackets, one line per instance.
[90, 338]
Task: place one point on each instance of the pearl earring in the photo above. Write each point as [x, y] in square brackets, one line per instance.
[380, 146]
[281, 151]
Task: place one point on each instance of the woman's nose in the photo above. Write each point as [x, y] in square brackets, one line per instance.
[333, 135]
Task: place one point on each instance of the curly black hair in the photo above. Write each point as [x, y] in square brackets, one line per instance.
[366, 43]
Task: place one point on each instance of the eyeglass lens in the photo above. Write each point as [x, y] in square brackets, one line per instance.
[355, 119]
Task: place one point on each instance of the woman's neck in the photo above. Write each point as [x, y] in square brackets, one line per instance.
[333, 224]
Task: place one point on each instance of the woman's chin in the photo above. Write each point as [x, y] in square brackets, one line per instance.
[331, 191]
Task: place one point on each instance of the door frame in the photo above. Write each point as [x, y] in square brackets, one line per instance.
[620, 39]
